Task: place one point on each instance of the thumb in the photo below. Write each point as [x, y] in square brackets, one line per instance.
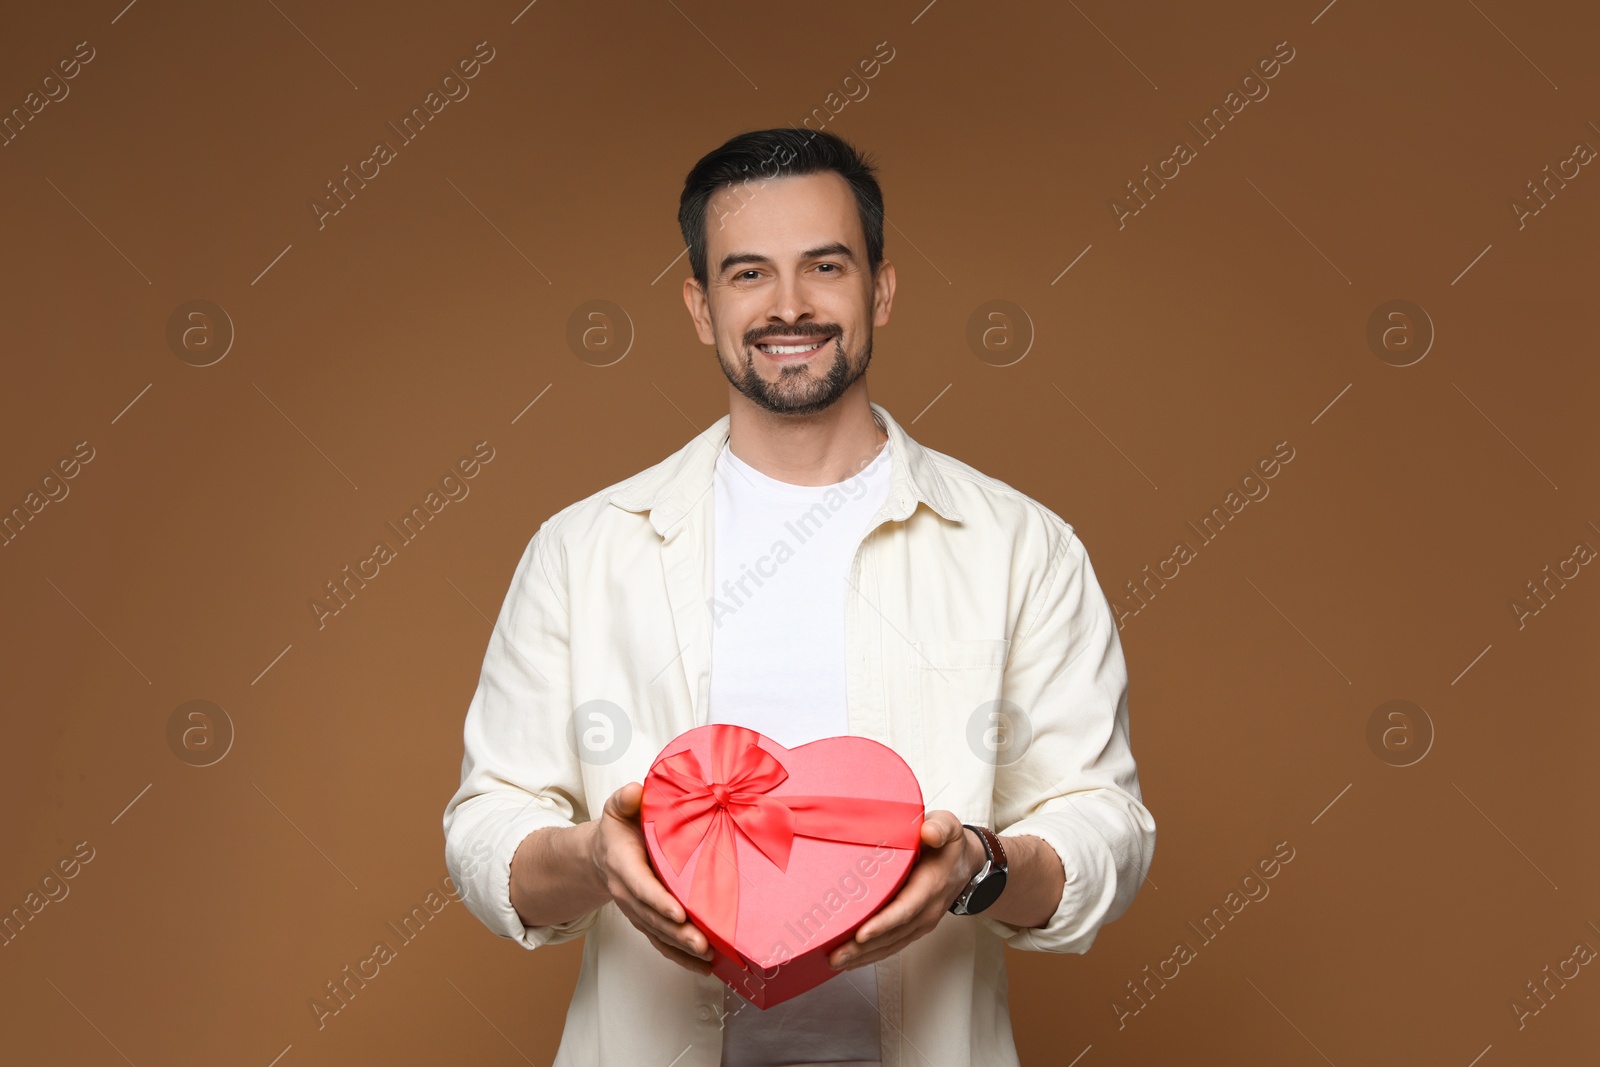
[625, 802]
[939, 832]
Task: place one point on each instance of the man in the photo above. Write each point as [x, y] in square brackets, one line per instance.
[805, 569]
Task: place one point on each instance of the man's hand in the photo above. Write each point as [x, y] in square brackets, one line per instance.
[950, 857]
[617, 850]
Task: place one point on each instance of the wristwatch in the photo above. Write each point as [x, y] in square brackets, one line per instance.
[987, 884]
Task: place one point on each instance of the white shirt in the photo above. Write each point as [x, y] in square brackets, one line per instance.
[963, 591]
[782, 553]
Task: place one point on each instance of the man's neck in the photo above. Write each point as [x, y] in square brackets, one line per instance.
[824, 448]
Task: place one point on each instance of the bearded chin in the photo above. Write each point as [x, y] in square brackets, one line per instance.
[775, 397]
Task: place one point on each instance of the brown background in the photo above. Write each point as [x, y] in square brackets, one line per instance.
[370, 354]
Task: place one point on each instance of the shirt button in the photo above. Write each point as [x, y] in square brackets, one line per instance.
[705, 1013]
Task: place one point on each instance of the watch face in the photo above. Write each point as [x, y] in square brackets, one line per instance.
[986, 892]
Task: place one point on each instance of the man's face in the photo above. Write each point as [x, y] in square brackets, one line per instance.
[786, 264]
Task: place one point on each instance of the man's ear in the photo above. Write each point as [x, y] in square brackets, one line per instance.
[882, 293]
[694, 298]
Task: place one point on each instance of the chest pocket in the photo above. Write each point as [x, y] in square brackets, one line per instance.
[966, 728]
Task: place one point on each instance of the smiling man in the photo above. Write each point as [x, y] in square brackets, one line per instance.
[805, 569]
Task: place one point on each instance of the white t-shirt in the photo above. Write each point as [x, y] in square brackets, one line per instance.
[782, 555]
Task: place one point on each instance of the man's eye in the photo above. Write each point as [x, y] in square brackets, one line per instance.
[741, 275]
[835, 267]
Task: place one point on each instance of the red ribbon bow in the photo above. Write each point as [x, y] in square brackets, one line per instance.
[688, 809]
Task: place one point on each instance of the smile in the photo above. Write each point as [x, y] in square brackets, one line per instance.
[792, 350]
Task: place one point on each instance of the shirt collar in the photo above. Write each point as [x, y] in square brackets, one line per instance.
[670, 488]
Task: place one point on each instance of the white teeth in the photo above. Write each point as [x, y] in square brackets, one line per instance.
[789, 350]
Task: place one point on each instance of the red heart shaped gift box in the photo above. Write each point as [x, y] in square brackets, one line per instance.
[779, 854]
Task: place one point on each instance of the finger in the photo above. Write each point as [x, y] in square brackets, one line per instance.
[690, 938]
[662, 912]
[895, 915]
[684, 936]
[639, 878]
[639, 892]
[626, 801]
[882, 950]
[914, 896]
[681, 958]
[693, 940]
[940, 828]
[675, 930]
[883, 930]
[878, 938]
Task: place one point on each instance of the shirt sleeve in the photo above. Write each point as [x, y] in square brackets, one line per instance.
[518, 772]
[1074, 784]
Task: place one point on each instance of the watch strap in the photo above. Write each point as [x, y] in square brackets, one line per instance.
[991, 845]
[995, 865]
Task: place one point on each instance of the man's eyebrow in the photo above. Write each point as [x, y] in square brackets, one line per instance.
[834, 249]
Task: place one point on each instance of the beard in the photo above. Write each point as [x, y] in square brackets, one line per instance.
[798, 390]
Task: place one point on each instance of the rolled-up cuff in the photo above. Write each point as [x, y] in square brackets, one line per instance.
[1086, 895]
[486, 885]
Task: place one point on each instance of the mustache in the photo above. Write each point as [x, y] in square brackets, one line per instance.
[823, 332]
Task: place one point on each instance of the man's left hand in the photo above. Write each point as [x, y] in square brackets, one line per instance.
[950, 857]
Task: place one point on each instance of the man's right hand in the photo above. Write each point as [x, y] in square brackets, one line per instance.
[617, 850]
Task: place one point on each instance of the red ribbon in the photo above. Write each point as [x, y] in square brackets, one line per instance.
[689, 810]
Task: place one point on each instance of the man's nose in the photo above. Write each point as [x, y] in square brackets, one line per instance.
[791, 301]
